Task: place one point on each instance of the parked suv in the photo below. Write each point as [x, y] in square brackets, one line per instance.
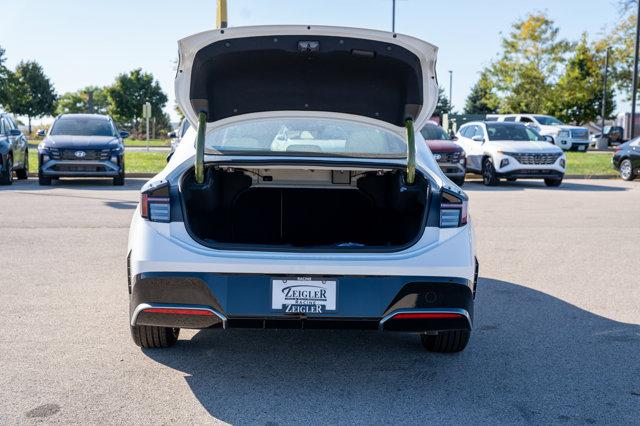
[512, 151]
[14, 153]
[83, 145]
[569, 138]
[449, 156]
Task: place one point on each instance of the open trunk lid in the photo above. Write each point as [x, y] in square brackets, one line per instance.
[227, 73]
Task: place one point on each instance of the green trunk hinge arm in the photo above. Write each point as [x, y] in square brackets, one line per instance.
[411, 154]
[199, 164]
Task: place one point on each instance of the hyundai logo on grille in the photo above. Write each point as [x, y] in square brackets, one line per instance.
[80, 154]
[437, 156]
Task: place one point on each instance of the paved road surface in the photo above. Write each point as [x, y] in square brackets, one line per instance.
[556, 339]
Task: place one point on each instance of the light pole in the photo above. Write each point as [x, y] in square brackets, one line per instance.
[604, 89]
[393, 16]
[635, 75]
[450, 90]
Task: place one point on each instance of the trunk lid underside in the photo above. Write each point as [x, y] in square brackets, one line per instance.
[236, 71]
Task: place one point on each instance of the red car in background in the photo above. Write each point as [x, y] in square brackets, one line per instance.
[450, 157]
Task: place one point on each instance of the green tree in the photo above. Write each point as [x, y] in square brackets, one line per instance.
[577, 97]
[4, 76]
[78, 102]
[621, 41]
[528, 66]
[129, 93]
[483, 98]
[30, 92]
[443, 106]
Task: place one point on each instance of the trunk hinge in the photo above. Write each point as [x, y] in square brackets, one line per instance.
[411, 152]
[199, 162]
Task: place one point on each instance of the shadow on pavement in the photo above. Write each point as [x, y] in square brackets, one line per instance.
[477, 185]
[75, 184]
[532, 358]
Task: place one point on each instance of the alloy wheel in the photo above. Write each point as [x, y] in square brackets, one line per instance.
[625, 169]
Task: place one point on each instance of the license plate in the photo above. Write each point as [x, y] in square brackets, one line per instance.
[581, 148]
[303, 295]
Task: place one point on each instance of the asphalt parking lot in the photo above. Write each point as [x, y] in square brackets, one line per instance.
[556, 338]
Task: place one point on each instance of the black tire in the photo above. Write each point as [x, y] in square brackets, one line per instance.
[150, 336]
[626, 170]
[118, 181]
[512, 179]
[446, 341]
[6, 176]
[489, 177]
[24, 172]
[43, 180]
[553, 182]
[458, 181]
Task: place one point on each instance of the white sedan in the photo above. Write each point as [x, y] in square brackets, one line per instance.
[512, 151]
[301, 197]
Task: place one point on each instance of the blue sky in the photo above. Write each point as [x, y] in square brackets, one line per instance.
[89, 42]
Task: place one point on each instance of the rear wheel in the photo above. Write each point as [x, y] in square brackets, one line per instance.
[626, 170]
[446, 341]
[118, 181]
[553, 182]
[6, 176]
[150, 336]
[489, 177]
[43, 180]
[23, 173]
[458, 181]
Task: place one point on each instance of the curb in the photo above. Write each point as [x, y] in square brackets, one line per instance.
[140, 175]
[591, 176]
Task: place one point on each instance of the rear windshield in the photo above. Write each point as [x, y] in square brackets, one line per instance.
[545, 120]
[82, 126]
[305, 136]
[434, 133]
[512, 132]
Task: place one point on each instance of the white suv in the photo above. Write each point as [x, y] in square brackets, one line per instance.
[567, 137]
[512, 151]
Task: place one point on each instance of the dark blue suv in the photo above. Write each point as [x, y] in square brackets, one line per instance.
[82, 145]
[14, 154]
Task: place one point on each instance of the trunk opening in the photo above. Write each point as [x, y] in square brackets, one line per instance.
[304, 209]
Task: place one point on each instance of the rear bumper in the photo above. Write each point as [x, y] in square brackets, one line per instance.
[203, 300]
[81, 168]
[452, 170]
[573, 144]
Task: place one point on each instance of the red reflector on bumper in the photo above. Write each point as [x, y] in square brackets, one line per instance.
[179, 311]
[427, 315]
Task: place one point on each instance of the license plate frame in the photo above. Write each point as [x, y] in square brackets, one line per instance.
[304, 295]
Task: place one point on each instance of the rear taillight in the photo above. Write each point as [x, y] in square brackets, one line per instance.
[453, 210]
[155, 203]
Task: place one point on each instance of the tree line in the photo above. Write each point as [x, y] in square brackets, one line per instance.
[27, 91]
[536, 71]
